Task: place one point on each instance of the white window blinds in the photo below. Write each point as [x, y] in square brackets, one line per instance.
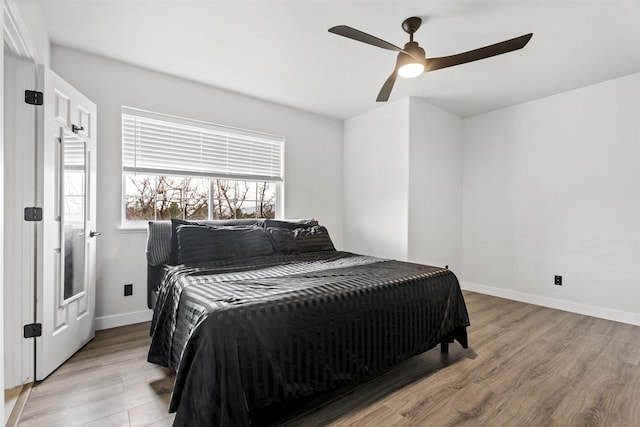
[158, 144]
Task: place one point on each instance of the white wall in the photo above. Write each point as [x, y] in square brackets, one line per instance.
[403, 183]
[376, 181]
[313, 161]
[507, 199]
[435, 186]
[552, 187]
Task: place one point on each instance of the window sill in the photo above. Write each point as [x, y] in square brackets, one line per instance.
[133, 228]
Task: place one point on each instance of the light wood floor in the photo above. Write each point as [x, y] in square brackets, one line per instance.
[526, 366]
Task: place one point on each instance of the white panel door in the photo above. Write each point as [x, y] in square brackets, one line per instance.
[66, 190]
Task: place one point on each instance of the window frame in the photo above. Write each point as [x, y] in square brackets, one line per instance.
[133, 225]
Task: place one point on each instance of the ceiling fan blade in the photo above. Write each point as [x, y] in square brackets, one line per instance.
[477, 54]
[385, 92]
[352, 33]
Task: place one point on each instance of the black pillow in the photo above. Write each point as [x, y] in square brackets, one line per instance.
[173, 250]
[175, 223]
[198, 243]
[289, 224]
[280, 238]
[299, 240]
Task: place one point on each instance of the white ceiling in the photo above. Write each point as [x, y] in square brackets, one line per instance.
[281, 51]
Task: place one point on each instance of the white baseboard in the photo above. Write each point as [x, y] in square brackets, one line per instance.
[558, 304]
[115, 320]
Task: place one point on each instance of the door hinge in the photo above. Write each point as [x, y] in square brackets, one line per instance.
[33, 330]
[33, 214]
[33, 97]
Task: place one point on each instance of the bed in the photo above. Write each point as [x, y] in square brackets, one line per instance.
[252, 313]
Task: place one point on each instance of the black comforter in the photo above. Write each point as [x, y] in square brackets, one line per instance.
[245, 334]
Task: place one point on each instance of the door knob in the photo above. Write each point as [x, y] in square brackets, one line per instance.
[94, 233]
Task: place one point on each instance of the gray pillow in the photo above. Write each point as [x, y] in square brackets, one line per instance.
[158, 243]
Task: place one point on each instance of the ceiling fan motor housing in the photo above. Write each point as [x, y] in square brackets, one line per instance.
[414, 51]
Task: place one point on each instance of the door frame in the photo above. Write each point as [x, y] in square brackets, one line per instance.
[19, 235]
[16, 38]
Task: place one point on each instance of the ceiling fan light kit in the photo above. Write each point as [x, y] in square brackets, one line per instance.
[411, 65]
[411, 70]
[411, 61]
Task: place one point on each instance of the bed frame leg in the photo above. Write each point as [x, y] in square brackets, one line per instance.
[444, 347]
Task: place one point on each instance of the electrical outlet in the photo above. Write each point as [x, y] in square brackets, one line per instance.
[557, 280]
[128, 289]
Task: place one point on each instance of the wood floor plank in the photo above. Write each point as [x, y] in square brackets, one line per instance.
[526, 366]
[94, 410]
[120, 419]
[378, 415]
[165, 422]
[149, 413]
[41, 405]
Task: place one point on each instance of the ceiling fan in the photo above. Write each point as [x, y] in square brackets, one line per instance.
[411, 60]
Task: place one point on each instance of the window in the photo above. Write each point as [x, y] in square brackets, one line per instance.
[179, 168]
